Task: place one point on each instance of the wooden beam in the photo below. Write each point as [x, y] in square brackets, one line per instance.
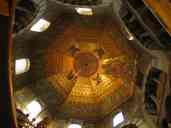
[161, 8]
[4, 8]
[7, 107]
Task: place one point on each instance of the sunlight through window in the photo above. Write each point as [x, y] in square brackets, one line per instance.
[21, 66]
[118, 119]
[74, 126]
[34, 108]
[40, 26]
[84, 11]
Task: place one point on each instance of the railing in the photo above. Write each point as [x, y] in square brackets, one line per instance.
[145, 26]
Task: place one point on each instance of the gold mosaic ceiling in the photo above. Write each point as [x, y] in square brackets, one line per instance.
[92, 68]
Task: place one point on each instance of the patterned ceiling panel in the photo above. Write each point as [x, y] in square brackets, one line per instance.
[89, 67]
[94, 72]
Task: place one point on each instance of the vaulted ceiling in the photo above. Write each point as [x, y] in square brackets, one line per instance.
[82, 67]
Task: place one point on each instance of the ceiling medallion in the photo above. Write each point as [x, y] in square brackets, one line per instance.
[86, 64]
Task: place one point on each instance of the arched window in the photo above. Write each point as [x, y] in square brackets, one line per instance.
[22, 65]
[118, 119]
[40, 26]
[74, 126]
[84, 11]
[33, 109]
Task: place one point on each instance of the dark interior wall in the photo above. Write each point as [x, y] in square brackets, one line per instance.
[105, 123]
[143, 62]
[161, 60]
[28, 44]
[7, 109]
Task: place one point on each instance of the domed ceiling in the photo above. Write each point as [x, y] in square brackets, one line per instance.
[93, 73]
[89, 66]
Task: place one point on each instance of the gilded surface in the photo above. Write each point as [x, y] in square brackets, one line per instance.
[112, 81]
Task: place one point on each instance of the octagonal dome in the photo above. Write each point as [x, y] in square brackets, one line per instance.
[89, 66]
[91, 71]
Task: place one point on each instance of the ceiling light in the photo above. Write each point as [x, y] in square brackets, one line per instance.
[107, 61]
[74, 126]
[34, 108]
[21, 66]
[84, 11]
[40, 26]
[129, 34]
[118, 119]
[131, 37]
